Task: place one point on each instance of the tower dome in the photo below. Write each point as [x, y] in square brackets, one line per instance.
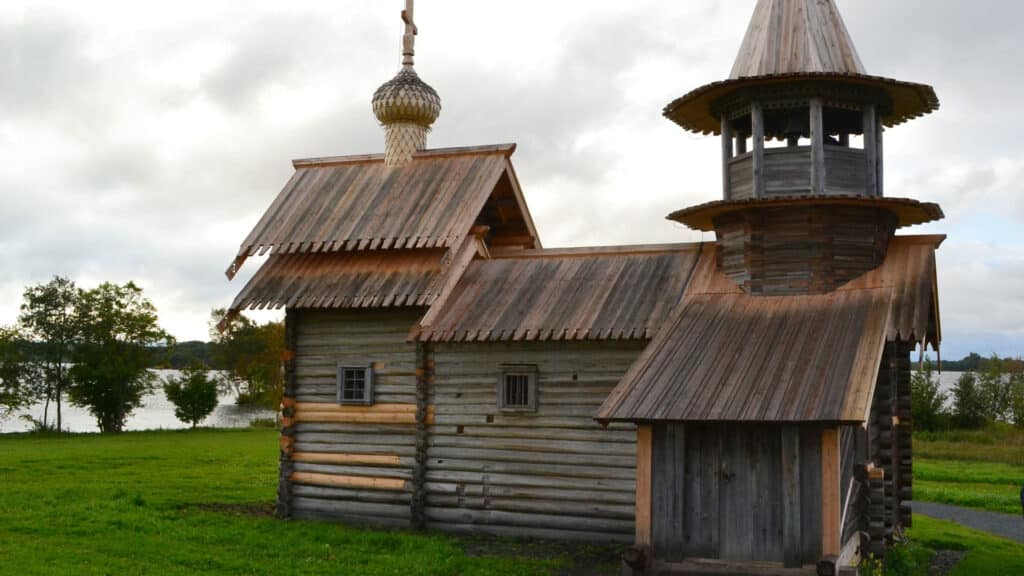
[406, 106]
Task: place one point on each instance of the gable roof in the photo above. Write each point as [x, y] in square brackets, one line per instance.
[571, 294]
[794, 37]
[358, 203]
[726, 356]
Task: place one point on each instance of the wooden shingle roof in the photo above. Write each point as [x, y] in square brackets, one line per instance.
[726, 356]
[573, 294]
[357, 203]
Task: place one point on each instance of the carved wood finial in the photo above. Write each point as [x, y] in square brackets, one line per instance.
[409, 39]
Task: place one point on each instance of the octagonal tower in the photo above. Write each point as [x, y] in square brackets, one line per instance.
[802, 126]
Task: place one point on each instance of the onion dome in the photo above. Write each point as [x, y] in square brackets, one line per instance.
[406, 106]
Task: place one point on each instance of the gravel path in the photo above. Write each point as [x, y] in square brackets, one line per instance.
[1006, 525]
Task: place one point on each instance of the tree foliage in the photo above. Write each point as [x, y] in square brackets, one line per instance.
[251, 353]
[114, 324]
[928, 402]
[996, 391]
[193, 393]
[15, 372]
[968, 404]
[47, 320]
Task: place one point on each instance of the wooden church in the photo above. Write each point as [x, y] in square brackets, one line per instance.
[729, 405]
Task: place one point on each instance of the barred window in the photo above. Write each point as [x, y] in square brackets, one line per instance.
[517, 388]
[355, 385]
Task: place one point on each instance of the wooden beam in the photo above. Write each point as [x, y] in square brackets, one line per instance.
[757, 136]
[346, 459]
[871, 150]
[830, 493]
[346, 481]
[817, 147]
[644, 451]
[726, 156]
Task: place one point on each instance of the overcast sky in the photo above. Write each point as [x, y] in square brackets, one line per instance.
[141, 141]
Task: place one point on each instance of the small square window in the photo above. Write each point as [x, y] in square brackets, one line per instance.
[517, 389]
[355, 384]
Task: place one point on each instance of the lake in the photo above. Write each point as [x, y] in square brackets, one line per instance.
[155, 413]
[158, 413]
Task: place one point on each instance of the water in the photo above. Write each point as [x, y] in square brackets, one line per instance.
[156, 412]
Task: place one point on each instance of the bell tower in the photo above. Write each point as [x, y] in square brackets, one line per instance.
[802, 124]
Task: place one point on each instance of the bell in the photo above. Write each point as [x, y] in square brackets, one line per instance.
[797, 125]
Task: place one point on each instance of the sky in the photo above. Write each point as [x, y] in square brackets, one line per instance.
[142, 141]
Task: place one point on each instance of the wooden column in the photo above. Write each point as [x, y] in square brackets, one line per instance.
[726, 156]
[879, 158]
[830, 493]
[644, 452]
[424, 382]
[817, 147]
[757, 135]
[871, 150]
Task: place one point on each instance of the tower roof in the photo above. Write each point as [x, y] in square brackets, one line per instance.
[794, 37]
[792, 42]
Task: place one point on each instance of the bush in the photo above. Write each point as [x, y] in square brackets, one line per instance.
[968, 404]
[927, 401]
[194, 394]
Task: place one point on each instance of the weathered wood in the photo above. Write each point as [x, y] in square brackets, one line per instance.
[727, 154]
[817, 147]
[830, 492]
[871, 150]
[667, 491]
[757, 136]
[791, 497]
[339, 458]
[644, 454]
[348, 481]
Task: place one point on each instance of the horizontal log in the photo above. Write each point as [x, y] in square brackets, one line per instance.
[463, 516]
[353, 494]
[370, 482]
[342, 507]
[334, 408]
[532, 532]
[336, 458]
[365, 418]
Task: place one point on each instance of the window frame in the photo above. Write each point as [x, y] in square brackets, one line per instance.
[368, 378]
[528, 370]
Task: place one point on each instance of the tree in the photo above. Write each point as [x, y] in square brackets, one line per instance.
[115, 325]
[968, 406]
[1017, 392]
[251, 353]
[15, 372]
[47, 319]
[927, 400]
[194, 394]
[995, 391]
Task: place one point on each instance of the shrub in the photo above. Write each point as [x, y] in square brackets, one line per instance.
[968, 405]
[927, 401]
[194, 394]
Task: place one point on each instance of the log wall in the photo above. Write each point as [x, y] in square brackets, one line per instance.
[354, 463]
[550, 473]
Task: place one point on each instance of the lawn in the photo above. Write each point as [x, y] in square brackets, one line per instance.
[139, 503]
[978, 469]
[985, 554]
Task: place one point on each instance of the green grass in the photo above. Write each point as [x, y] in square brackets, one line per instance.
[986, 554]
[129, 504]
[975, 468]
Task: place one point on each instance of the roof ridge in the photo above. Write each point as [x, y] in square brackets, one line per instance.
[506, 148]
[580, 251]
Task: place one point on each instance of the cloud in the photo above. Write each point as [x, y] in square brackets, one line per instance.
[142, 142]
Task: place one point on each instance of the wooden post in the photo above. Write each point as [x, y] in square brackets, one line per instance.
[287, 444]
[424, 381]
[830, 493]
[644, 453]
[757, 135]
[871, 150]
[879, 158]
[817, 147]
[726, 156]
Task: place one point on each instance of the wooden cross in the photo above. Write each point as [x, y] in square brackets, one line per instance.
[409, 39]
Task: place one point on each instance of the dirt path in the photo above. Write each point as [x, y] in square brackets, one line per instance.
[1009, 526]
